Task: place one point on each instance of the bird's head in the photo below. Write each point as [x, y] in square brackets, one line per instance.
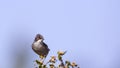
[39, 37]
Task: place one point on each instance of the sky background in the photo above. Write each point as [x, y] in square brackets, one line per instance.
[88, 29]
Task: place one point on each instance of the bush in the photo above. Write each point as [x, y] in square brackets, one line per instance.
[52, 62]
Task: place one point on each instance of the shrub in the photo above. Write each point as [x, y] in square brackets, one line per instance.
[52, 62]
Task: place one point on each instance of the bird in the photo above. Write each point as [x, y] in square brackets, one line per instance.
[39, 47]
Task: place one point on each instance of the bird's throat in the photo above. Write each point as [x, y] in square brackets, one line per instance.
[38, 43]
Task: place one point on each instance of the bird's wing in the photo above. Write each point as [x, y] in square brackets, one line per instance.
[44, 44]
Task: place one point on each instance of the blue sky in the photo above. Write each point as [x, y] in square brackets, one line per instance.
[88, 29]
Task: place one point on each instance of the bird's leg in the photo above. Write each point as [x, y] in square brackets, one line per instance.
[44, 59]
[41, 58]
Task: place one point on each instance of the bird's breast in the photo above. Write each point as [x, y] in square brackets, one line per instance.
[36, 45]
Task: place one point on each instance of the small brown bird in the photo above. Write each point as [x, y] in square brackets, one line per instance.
[40, 47]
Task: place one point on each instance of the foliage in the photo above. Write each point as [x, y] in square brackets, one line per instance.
[53, 62]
